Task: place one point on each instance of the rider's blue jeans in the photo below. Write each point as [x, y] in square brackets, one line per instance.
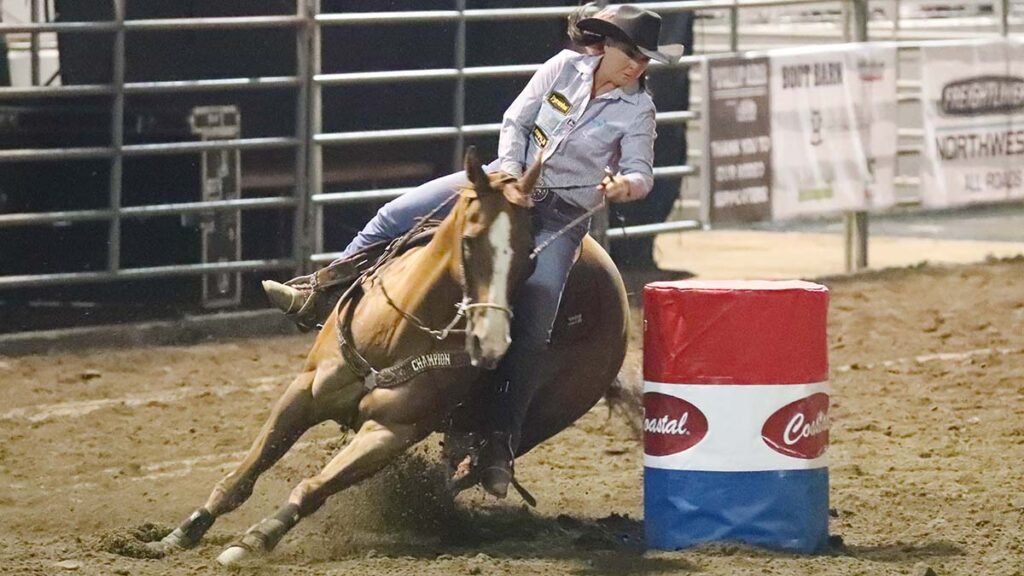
[537, 301]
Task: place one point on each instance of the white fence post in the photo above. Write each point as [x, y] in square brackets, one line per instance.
[705, 136]
[856, 222]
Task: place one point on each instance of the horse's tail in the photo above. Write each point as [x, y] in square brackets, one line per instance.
[625, 399]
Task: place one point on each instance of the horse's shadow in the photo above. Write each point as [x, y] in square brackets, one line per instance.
[901, 552]
[407, 513]
[613, 544]
[609, 545]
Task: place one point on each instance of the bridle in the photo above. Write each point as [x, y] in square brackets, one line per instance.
[405, 369]
[463, 307]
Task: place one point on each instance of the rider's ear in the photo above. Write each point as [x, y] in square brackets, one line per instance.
[475, 172]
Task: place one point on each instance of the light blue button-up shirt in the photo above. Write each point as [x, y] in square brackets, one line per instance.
[582, 135]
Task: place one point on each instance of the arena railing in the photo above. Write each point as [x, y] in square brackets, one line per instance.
[856, 25]
[461, 16]
[308, 141]
[117, 150]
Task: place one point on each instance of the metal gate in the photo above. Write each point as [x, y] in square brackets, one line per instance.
[116, 151]
[308, 198]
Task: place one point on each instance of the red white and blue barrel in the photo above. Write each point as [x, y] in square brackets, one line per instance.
[736, 414]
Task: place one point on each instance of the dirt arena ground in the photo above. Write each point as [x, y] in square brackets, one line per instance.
[927, 459]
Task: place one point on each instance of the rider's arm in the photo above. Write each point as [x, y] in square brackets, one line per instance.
[521, 115]
[637, 148]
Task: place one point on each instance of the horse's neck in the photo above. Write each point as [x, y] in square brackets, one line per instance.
[421, 282]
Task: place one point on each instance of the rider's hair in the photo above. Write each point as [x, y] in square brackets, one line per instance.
[578, 37]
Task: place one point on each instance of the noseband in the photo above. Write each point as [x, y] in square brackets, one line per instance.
[461, 309]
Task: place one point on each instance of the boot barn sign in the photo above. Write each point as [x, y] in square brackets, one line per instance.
[801, 132]
[973, 96]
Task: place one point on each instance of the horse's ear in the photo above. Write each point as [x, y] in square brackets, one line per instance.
[474, 171]
[529, 179]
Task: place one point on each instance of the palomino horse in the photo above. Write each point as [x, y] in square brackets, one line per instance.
[476, 259]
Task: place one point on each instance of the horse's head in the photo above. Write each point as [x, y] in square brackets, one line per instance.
[496, 244]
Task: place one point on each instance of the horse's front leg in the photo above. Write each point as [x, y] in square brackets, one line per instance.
[373, 447]
[294, 414]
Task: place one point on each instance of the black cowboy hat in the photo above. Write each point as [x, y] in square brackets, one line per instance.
[634, 25]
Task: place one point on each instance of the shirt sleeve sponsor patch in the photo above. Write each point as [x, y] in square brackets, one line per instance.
[540, 137]
[559, 102]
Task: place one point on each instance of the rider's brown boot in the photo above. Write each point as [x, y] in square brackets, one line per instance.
[308, 300]
[289, 300]
[297, 303]
[497, 466]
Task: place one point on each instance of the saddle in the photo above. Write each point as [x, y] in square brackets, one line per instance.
[322, 289]
[325, 287]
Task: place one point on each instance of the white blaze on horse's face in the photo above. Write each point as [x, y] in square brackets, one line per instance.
[490, 326]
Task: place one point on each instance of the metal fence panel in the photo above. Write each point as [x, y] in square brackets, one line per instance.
[309, 140]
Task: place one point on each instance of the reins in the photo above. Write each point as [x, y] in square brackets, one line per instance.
[564, 229]
[537, 250]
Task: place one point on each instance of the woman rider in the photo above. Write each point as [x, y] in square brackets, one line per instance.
[581, 114]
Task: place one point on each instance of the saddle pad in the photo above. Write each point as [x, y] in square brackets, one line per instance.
[577, 316]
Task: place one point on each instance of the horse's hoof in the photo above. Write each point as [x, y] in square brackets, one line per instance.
[235, 555]
[159, 549]
[174, 542]
[283, 297]
[162, 548]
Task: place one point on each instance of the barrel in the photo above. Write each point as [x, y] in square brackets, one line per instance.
[736, 414]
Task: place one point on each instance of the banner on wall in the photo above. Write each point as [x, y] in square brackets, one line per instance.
[738, 146]
[973, 101]
[833, 129]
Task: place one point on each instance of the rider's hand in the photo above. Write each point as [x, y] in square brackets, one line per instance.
[514, 193]
[616, 188]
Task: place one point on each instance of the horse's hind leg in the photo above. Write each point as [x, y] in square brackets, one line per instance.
[290, 418]
[375, 446]
[578, 385]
